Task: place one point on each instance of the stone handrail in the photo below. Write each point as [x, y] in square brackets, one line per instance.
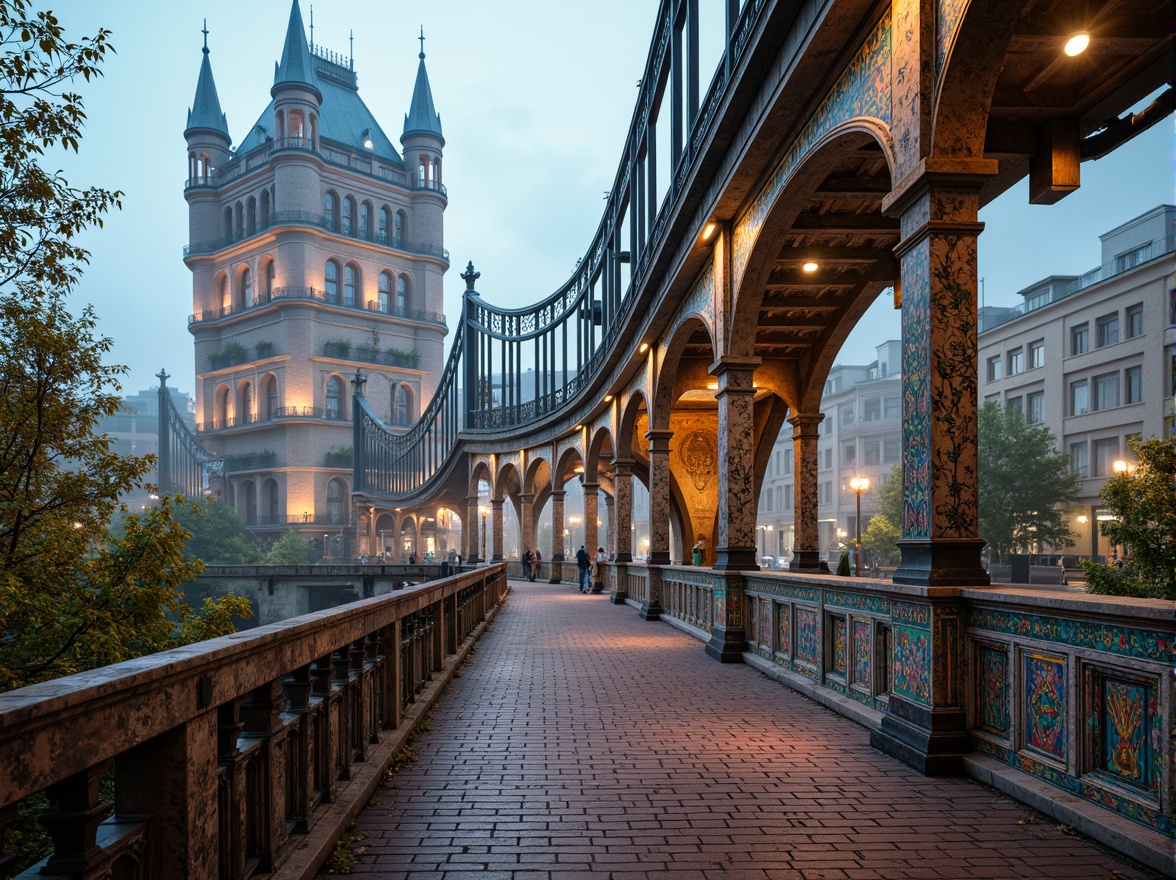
[231, 754]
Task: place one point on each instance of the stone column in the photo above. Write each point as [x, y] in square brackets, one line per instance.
[610, 517]
[496, 520]
[659, 496]
[470, 529]
[806, 555]
[527, 520]
[622, 520]
[737, 500]
[591, 512]
[557, 538]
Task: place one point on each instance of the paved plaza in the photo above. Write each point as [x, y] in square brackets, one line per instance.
[582, 741]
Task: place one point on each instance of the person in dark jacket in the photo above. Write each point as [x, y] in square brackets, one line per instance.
[583, 564]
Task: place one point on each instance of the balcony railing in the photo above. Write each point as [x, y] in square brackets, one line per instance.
[313, 293]
[280, 412]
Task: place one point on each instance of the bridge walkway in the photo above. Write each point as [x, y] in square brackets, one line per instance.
[582, 741]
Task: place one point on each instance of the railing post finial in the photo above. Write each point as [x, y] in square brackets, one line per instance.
[470, 276]
[357, 383]
[163, 375]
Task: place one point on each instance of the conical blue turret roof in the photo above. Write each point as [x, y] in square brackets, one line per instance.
[205, 111]
[296, 66]
[421, 117]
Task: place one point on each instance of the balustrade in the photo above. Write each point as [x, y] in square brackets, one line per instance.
[228, 750]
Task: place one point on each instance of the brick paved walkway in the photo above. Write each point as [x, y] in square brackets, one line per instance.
[582, 741]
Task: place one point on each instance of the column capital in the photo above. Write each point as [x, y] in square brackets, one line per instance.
[496, 503]
[558, 494]
[659, 439]
[623, 464]
[805, 424]
[590, 485]
[938, 171]
[731, 365]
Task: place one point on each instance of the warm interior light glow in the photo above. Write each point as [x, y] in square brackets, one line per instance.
[712, 386]
[709, 230]
[810, 266]
[859, 484]
[1082, 519]
[644, 347]
[1077, 44]
[608, 398]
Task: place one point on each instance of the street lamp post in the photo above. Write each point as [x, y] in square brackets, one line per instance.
[859, 485]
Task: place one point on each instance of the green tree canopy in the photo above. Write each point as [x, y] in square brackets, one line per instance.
[216, 534]
[1144, 506]
[290, 549]
[1025, 483]
[881, 537]
[890, 498]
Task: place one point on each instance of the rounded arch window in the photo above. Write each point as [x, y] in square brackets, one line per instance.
[336, 492]
[401, 295]
[331, 281]
[350, 283]
[398, 229]
[347, 219]
[265, 209]
[220, 416]
[246, 403]
[226, 298]
[240, 224]
[382, 232]
[402, 406]
[246, 288]
[365, 220]
[385, 292]
[334, 408]
[270, 274]
[329, 210]
[250, 503]
[271, 397]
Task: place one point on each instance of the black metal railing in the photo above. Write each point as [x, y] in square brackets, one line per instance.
[184, 465]
[337, 300]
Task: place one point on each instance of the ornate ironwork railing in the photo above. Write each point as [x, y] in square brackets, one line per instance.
[519, 366]
[184, 465]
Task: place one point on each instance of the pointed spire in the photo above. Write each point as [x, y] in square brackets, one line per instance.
[297, 65]
[206, 111]
[422, 118]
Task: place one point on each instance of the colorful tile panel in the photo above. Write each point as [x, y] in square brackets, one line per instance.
[1045, 704]
[916, 615]
[783, 628]
[765, 627]
[1157, 644]
[1126, 734]
[912, 664]
[808, 636]
[862, 653]
[858, 601]
[992, 688]
[916, 391]
[839, 648]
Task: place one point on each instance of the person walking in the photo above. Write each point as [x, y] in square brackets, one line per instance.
[598, 570]
[537, 569]
[582, 568]
[527, 559]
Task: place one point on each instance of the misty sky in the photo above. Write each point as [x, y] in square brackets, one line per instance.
[535, 100]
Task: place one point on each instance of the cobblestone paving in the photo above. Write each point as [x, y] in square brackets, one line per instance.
[581, 741]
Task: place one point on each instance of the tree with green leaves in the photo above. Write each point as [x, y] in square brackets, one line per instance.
[881, 537]
[1144, 506]
[1026, 485]
[216, 534]
[290, 549]
[72, 596]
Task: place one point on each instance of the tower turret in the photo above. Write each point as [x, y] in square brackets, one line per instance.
[296, 92]
[207, 132]
[422, 138]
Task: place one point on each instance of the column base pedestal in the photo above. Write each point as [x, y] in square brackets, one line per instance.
[650, 611]
[727, 646]
[941, 562]
[618, 597]
[736, 559]
[932, 742]
[807, 560]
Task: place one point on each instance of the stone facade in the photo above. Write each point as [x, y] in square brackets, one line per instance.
[316, 252]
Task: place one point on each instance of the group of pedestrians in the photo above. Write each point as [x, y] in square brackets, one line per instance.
[532, 562]
[590, 570]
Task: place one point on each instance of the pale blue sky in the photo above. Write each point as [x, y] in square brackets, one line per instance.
[535, 100]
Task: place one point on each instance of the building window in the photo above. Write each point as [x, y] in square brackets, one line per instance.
[1133, 384]
[1108, 330]
[246, 404]
[365, 220]
[329, 211]
[402, 410]
[891, 449]
[385, 288]
[1079, 398]
[350, 282]
[892, 407]
[994, 368]
[331, 281]
[1079, 463]
[828, 456]
[1080, 339]
[786, 463]
[334, 398]
[246, 288]
[873, 450]
[849, 454]
[1014, 404]
[872, 409]
[847, 415]
[1016, 362]
[335, 493]
[1105, 452]
[347, 219]
[271, 398]
[1106, 391]
[270, 272]
[1135, 321]
[398, 229]
[401, 295]
[1036, 354]
[1035, 414]
[787, 505]
[383, 230]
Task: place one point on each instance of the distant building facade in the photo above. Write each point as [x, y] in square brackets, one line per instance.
[134, 430]
[861, 435]
[1093, 357]
[316, 251]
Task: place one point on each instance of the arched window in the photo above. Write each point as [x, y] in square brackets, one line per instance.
[401, 295]
[220, 417]
[272, 513]
[250, 503]
[296, 130]
[271, 397]
[385, 292]
[365, 220]
[402, 406]
[336, 491]
[383, 230]
[347, 220]
[423, 170]
[329, 211]
[335, 398]
[436, 173]
[331, 281]
[246, 289]
[265, 209]
[280, 126]
[226, 298]
[398, 230]
[251, 215]
[246, 409]
[269, 280]
[350, 283]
